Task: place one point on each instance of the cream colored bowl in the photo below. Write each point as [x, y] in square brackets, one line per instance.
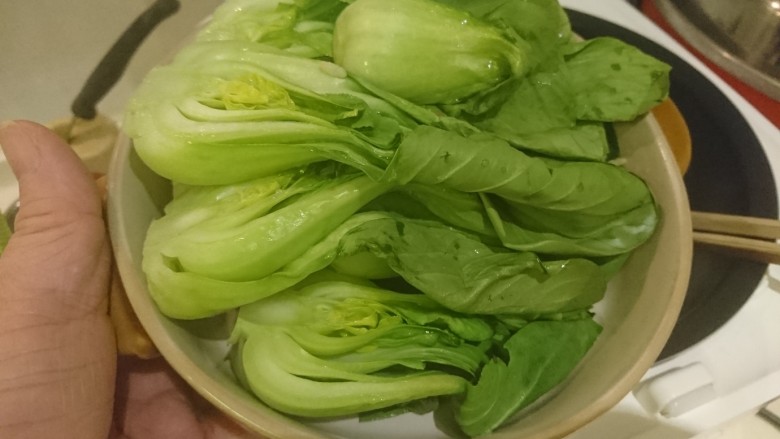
[638, 312]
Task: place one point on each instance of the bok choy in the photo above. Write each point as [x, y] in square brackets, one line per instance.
[410, 205]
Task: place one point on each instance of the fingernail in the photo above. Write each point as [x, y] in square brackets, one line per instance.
[6, 123]
[24, 156]
[3, 125]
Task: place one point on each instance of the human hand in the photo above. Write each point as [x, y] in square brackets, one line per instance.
[58, 360]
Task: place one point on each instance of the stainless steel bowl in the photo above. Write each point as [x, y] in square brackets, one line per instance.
[741, 37]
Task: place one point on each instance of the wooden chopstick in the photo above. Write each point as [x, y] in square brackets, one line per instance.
[746, 236]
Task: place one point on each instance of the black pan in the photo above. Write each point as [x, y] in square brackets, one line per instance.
[729, 173]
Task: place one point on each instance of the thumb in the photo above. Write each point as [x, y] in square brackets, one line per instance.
[57, 357]
[58, 255]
